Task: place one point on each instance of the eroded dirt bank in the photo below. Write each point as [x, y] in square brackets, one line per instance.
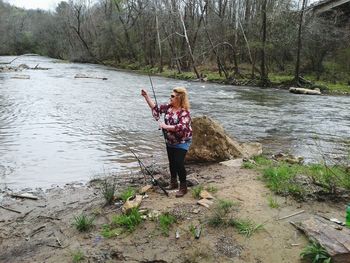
[43, 231]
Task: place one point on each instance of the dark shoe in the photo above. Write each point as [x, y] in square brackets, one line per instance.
[182, 191]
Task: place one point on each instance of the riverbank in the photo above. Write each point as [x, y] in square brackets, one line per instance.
[277, 80]
[210, 75]
[43, 231]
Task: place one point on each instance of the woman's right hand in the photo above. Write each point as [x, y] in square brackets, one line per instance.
[144, 93]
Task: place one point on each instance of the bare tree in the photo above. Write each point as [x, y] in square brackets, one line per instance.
[297, 64]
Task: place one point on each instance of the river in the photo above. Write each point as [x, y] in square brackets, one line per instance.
[55, 128]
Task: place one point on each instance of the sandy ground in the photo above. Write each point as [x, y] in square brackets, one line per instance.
[43, 231]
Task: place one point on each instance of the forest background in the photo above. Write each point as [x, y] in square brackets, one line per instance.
[252, 42]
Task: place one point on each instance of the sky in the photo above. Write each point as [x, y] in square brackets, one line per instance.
[35, 4]
[49, 4]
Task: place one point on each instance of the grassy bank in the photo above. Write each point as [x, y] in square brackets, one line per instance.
[315, 181]
[279, 80]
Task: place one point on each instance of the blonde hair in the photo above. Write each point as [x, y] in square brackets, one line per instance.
[182, 97]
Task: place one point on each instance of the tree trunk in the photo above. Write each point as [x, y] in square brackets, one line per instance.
[220, 65]
[297, 65]
[159, 46]
[189, 47]
[263, 73]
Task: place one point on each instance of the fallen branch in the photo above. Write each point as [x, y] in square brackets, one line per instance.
[294, 214]
[49, 217]
[21, 218]
[36, 231]
[55, 246]
[59, 242]
[9, 209]
[39, 68]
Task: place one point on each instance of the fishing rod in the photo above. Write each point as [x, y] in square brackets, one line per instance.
[144, 168]
[155, 99]
[154, 94]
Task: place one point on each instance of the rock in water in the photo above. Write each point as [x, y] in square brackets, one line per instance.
[212, 144]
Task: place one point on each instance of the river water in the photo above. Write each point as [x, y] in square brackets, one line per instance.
[55, 128]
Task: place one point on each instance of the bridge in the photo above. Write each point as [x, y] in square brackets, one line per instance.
[330, 6]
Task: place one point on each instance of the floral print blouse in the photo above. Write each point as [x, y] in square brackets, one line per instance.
[180, 118]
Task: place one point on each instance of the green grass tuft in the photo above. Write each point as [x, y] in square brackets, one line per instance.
[83, 223]
[211, 189]
[108, 190]
[192, 230]
[315, 253]
[196, 191]
[108, 231]
[273, 202]
[165, 222]
[280, 179]
[128, 221]
[220, 212]
[225, 205]
[246, 227]
[127, 193]
[77, 256]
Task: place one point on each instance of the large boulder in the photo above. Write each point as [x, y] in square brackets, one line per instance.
[212, 144]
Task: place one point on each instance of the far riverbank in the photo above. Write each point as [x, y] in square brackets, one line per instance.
[277, 80]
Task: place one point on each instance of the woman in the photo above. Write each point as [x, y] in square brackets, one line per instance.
[177, 132]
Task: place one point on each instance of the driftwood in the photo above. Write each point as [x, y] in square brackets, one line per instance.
[336, 241]
[83, 76]
[305, 91]
[21, 77]
[6, 63]
[9, 209]
[25, 196]
[294, 214]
